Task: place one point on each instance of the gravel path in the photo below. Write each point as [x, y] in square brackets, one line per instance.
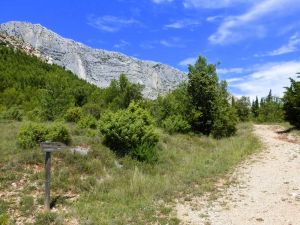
[266, 191]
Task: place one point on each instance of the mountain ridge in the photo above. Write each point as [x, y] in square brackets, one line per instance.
[97, 66]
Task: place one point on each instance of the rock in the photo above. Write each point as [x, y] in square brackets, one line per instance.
[95, 65]
[80, 150]
[118, 165]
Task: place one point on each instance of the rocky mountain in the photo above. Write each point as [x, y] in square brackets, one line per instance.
[94, 65]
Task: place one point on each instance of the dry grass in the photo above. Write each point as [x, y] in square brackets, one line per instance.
[102, 189]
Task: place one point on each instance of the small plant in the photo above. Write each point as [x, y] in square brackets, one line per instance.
[87, 122]
[58, 132]
[47, 218]
[4, 219]
[35, 115]
[30, 134]
[145, 153]
[176, 123]
[93, 109]
[13, 113]
[26, 204]
[33, 133]
[73, 114]
[127, 130]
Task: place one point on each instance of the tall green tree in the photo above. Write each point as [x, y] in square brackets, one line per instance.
[203, 87]
[242, 107]
[210, 100]
[270, 109]
[255, 108]
[291, 101]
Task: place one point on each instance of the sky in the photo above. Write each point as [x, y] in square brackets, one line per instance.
[255, 43]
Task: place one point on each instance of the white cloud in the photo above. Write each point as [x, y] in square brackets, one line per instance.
[188, 61]
[235, 28]
[224, 71]
[161, 1]
[233, 80]
[212, 3]
[273, 76]
[291, 46]
[110, 23]
[173, 42]
[213, 19]
[122, 44]
[183, 24]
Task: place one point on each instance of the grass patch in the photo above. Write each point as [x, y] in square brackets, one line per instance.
[112, 190]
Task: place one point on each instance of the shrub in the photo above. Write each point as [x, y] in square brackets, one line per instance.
[93, 109]
[176, 123]
[13, 113]
[145, 153]
[33, 133]
[73, 114]
[291, 101]
[35, 115]
[58, 132]
[87, 122]
[30, 134]
[128, 129]
[224, 125]
[243, 108]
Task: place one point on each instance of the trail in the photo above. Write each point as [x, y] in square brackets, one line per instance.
[266, 191]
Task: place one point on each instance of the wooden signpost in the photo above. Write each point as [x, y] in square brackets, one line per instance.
[48, 148]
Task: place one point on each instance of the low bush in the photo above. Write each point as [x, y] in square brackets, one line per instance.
[145, 153]
[176, 123]
[58, 132]
[128, 129]
[225, 124]
[87, 122]
[73, 114]
[35, 115]
[33, 133]
[93, 109]
[30, 134]
[13, 113]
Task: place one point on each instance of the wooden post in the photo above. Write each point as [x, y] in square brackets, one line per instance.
[47, 179]
[48, 148]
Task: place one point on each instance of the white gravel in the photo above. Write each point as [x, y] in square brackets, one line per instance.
[266, 191]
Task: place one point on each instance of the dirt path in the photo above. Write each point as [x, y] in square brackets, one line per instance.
[267, 190]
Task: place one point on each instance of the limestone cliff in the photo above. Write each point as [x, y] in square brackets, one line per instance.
[95, 65]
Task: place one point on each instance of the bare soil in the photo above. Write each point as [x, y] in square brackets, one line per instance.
[265, 189]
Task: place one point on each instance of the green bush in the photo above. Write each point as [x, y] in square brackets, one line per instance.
[35, 115]
[73, 114]
[145, 153]
[32, 134]
[176, 123]
[87, 122]
[291, 101]
[58, 132]
[225, 124]
[13, 113]
[128, 129]
[93, 109]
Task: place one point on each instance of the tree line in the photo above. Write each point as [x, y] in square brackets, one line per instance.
[32, 90]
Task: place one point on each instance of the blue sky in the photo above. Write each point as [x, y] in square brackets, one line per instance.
[257, 42]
